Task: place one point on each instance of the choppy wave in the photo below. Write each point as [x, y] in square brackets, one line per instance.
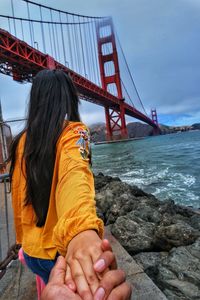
[166, 166]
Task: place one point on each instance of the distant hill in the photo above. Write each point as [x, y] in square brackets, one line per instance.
[98, 132]
[137, 129]
[196, 126]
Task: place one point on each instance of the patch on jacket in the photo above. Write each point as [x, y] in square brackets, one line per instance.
[83, 141]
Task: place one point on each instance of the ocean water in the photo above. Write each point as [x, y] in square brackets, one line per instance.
[167, 166]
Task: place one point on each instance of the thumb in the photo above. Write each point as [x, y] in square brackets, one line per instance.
[57, 275]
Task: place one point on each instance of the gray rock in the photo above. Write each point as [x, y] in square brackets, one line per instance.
[167, 206]
[101, 181]
[104, 200]
[148, 214]
[184, 211]
[150, 261]
[133, 233]
[119, 208]
[195, 221]
[175, 235]
[181, 290]
[179, 272]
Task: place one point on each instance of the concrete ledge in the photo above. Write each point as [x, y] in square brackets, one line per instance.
[18, 283]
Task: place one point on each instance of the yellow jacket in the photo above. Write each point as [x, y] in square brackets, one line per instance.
[71, 205]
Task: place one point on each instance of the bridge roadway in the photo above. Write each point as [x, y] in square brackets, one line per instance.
[22, 62]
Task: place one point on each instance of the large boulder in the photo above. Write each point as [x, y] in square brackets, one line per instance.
[175, 235]
[150, 261]
[195, 221]
[134, 234]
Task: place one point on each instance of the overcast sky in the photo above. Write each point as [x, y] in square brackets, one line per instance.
[161, 41]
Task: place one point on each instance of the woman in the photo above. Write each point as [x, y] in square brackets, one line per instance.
[52, 185]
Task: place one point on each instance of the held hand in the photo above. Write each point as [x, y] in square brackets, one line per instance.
[103, 264]
[112, 286]
[56, 288]
[83, 251]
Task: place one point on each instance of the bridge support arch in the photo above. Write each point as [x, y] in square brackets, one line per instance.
[115, 116]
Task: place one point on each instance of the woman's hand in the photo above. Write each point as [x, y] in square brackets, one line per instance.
[83, 251]
[107, 260]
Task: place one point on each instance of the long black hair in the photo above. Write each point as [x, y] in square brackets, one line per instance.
[53, 96]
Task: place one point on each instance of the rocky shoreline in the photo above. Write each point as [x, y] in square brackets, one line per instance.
[162, 237]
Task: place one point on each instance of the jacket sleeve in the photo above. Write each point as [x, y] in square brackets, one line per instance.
[75, 193]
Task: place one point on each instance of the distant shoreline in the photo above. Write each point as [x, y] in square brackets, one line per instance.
[118, 141]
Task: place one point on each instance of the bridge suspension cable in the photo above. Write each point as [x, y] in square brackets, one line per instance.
[130, 74]
[41, 21]
[68, 37]
[127, 93]
[13, 13]
[62, 11]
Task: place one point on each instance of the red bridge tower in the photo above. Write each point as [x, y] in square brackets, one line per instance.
[154, 117]
[115, 117]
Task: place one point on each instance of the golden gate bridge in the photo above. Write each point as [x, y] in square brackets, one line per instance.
[85, 47]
